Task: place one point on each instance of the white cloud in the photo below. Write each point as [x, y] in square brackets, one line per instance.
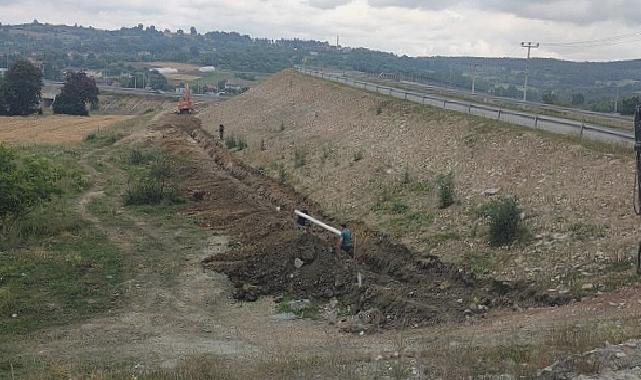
[413, 27]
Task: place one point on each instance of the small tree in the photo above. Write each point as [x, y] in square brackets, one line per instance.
[22, 88]
[3, 105]
[25, 182]
[446, 190]
[75, 94]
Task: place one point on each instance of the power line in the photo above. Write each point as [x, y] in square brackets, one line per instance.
[620, 39]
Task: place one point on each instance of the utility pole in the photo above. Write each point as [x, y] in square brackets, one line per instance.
[337, 40]
[473, 67]
[529, 46]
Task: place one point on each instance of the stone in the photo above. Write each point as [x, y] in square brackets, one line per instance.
[298, 263]
[587, 286]
[285, 316]
[491, 192]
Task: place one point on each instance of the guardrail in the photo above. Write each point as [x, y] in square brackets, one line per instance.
[535, 121]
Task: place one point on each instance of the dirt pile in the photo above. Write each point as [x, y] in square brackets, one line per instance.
[273, 257]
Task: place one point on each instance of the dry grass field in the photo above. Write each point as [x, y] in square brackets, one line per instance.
[53, 129]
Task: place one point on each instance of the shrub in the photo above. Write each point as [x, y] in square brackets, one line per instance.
[136, 157]
[25, 183]
[149, 191]
[446, 190]
[300, 158]
[242, 143]
[505, 218]
[230, 142]
[153, 188]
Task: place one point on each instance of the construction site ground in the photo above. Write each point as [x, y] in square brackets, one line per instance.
[417, 314]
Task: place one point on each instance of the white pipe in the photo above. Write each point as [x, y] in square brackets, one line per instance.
[318, 222]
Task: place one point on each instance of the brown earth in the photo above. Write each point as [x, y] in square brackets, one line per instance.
[364, 154]
[404, 287]
[56, 129]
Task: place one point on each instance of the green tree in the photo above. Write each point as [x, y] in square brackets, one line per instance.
[157, 81]
[78, 91]
[22, 88]
[3, 106]
[627, 106]
[25, 182]
[550, 98]
[578, 99]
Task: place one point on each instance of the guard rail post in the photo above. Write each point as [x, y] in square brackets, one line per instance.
[536, 121]
[499, 117]
[582, 127]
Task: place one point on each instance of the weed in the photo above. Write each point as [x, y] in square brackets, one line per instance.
[399, 207]
[149, 191]
[282, 127]
[103, 138]
[282, 174]
[379, 110]
[262, 145]
[446, 190]
[359, 155]
[585, 231]
[136, 157]
[300, 157]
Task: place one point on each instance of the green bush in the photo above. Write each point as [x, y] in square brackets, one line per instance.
[149, 191]
[25, 183]
[136, 157]
[505, 218]
[446, 190]
[154, 187]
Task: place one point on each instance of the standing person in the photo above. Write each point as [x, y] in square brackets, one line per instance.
[221, 132]
[345, 240]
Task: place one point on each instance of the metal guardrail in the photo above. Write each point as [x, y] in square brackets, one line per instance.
[529, 120]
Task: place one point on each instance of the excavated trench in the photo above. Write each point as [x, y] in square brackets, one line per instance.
[402, 288]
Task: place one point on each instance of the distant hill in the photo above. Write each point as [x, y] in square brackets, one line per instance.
[583, 84]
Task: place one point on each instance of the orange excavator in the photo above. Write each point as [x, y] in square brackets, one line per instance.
[185, 104]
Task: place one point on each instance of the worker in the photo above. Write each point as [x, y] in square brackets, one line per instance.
[221, 132]
[345, 240]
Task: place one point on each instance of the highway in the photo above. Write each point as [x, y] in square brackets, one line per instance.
[525, 119]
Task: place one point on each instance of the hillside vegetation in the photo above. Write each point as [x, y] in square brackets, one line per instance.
[373, 158]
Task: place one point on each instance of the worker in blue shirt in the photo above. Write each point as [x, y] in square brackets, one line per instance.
[345, 241]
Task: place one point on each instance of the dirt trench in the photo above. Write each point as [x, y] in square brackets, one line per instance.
[399, 287]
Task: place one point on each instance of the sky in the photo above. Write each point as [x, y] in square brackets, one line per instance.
[595, 30]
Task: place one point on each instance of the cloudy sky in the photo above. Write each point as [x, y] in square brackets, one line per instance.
[607, 29]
